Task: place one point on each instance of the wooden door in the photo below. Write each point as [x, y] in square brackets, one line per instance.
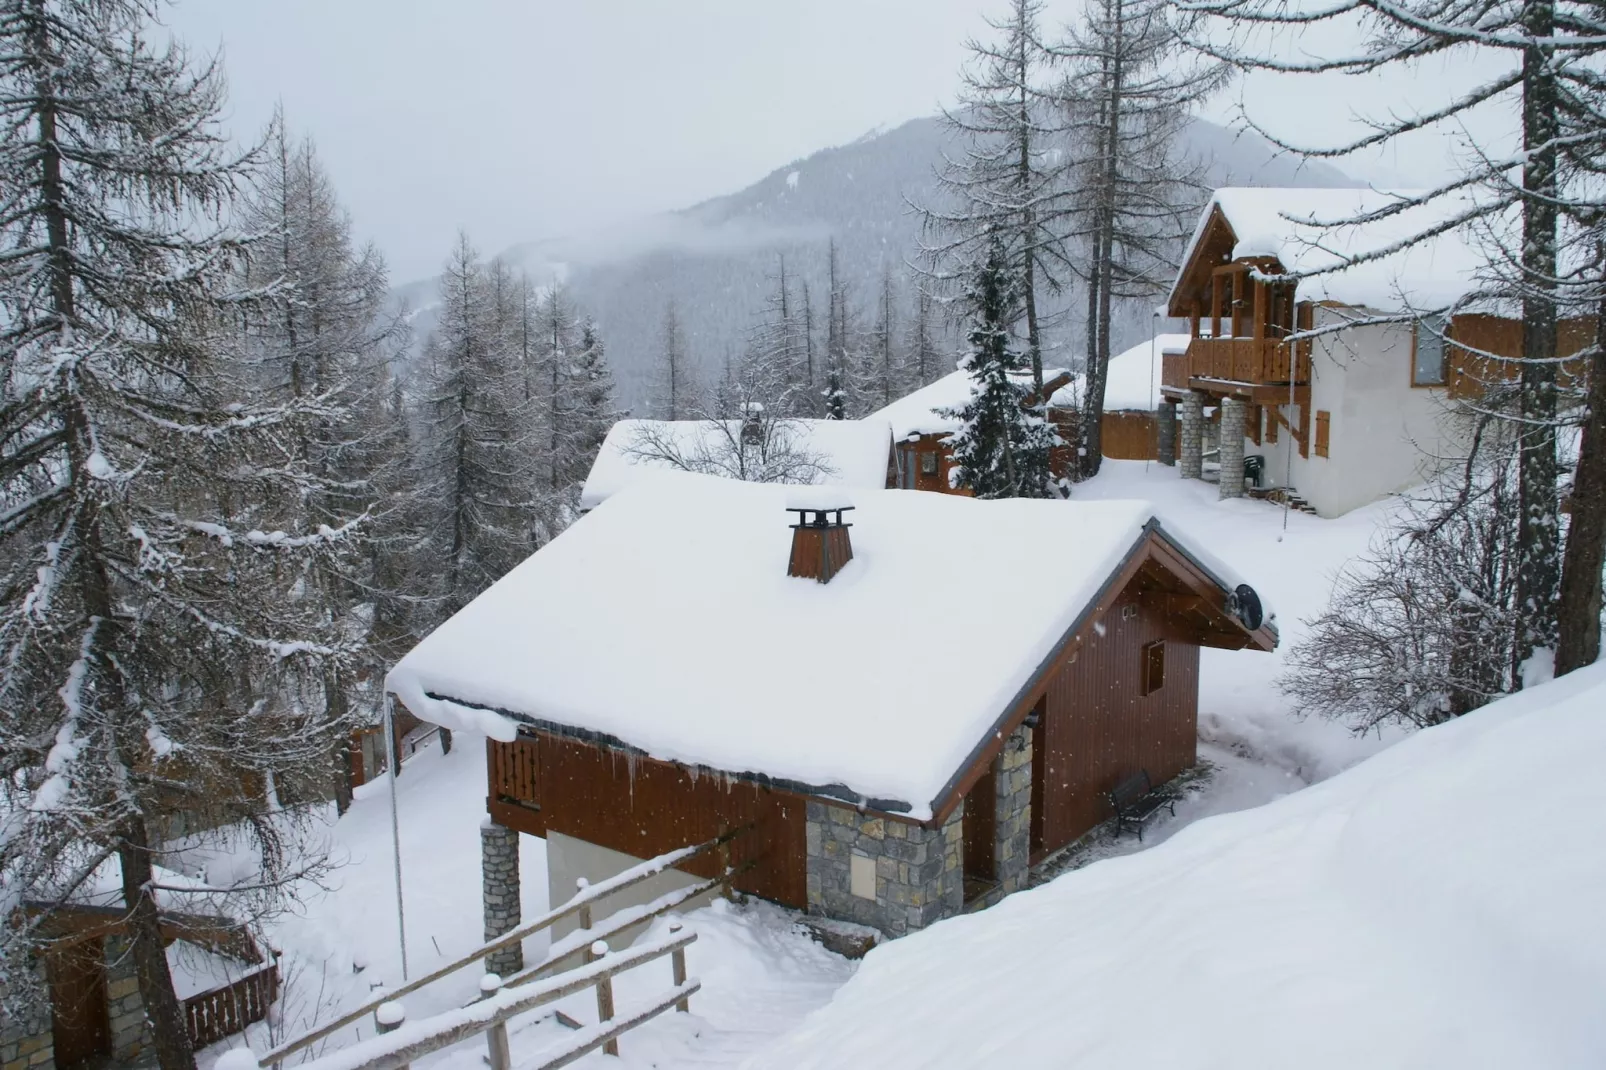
[79, 1018]
[980, 827]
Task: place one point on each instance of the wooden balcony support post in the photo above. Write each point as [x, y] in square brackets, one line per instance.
[1258, 327]
[1215, 305]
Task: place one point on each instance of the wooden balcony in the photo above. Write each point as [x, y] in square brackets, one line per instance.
[1247, 361]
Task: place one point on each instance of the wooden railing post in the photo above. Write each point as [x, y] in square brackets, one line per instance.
[599, 950]
[496, 1046]
[580, 886]
[389, 1017]
[677, 962]
[722, 856]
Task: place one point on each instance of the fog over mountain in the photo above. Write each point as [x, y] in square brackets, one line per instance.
[716, 259]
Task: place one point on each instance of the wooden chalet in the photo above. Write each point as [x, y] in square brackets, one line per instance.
[94, 1012]
[702, 656]
[1345, 416]
[921, 426]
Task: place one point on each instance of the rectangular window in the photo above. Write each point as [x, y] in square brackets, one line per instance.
[1154, 667]
[1323, 431]
[928, 463]
[861, 875]
[1427, 356]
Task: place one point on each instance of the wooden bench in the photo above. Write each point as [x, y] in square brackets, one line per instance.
[1136, 801]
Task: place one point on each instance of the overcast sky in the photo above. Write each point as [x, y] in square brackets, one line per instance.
[523, 119]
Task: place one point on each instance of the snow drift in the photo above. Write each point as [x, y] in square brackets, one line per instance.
[1435, 906]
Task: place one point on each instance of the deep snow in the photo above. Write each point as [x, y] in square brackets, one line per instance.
[1436, 906]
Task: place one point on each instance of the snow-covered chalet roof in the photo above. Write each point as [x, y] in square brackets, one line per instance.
[853, 453]
[665, 620]
[921, 412]
[1133, 378]
[1292, 225]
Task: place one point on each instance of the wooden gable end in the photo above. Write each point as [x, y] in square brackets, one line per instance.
[1191, 295]
[1163, 583]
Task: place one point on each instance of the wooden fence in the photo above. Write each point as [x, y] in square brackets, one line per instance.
[581, 905]
[228, 1009]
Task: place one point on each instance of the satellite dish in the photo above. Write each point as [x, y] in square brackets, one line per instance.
[1244, 604]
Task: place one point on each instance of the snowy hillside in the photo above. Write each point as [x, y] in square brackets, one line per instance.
[1435, 906]
[714, 258]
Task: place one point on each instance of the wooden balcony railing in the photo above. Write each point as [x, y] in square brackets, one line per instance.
[228, 1009]
[1257, 361]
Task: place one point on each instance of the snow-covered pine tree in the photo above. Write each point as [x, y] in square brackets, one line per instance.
[321, 330]
[839, 395]
[592, 412]
[1010, 179]
[777, 342]
[160, 652]
[884, 378]
[926, 359]
[1001, 448]
[479, 438]
[673, 393]
[813, 401]
[1127, 92]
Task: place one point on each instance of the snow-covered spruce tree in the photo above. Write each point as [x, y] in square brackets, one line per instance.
[884, 377]
[318, 328]
[160, 652]
[479, 439]
[1535, 56]
[1127, 91]
[1001, 448]
[813, 402]
[1420, 630]
[1010, 180]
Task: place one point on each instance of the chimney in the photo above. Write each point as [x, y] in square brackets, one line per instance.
[820, 543]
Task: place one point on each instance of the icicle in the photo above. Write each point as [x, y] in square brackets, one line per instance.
[630, 770]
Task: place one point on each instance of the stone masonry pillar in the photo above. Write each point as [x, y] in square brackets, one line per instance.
[1234, 411]
[1013, 823]
[499, 868]
[1165, 422]
[1191, 413]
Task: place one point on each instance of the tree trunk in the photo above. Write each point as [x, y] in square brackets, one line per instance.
[1578, 611]
[162, 1009]
[1538, 559]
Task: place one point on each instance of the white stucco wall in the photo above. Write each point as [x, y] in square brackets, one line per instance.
[1384, 435]
[568, 859]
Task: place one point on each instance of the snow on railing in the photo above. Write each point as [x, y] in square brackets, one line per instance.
[402, 1042]
[581, 904]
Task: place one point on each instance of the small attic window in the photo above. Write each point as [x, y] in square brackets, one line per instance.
[1153, 666]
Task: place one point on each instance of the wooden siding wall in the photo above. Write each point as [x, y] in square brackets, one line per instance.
[1469, 373]
[645, 807]
[1098, 727]
[1130, 436]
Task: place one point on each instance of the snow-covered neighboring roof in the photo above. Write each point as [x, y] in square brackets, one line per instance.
[854, 452]
[1437, 905]
[1133, 378]
[920, 412]
[1291, 225]
[665, 618]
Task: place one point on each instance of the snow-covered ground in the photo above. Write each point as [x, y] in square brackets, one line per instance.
[1435, 906]
[761, 975]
